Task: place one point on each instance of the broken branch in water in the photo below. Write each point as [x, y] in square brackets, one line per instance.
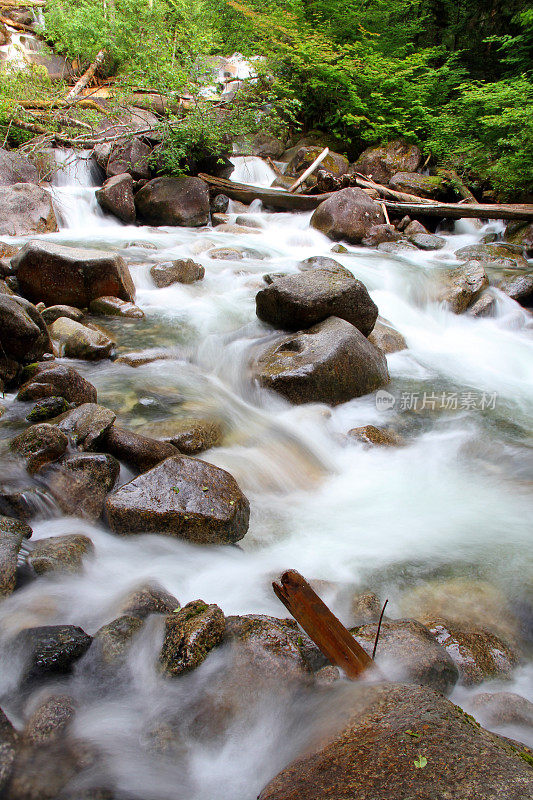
[379, 629]
[326, 631]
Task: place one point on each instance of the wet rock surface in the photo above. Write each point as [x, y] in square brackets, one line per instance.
[182, 497]
[60, 554]
[60, 275]
[116, 196]
[23, 336]
[347, 215]
[329, 363]
[503, 708]
[80, 483]
[8, 748]
[374, 754]
[86, 425]
[56, 380]
[12, 534]
[173, 201]
[192, 436]
[387, 338]
[25, 209]
[190, 634]
[114, 307]
[150, 598]
[40, 444]
[370, 435]
[464, 286]
[300, 301]
[137, 451]
[179, 271]
[50, 649]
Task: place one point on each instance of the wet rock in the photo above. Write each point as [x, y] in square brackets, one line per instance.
[114, 307]
[183, 270]
[478, 654]
[190, 635]
[15, 167]
[141, 357]
[392, 248]
[39, 444]
[112, 641]
[463, 286]
[50, 649]
[248, 221]
[48, 409]
[414, 226]
[407, 651]
[56, 380]
[75, 340]
[432, 186]
[325, 264]
[52, 313]
[271, 645]
[334, 163]
[226, 253]
[517, 287]
[384, 161]
[137, 451]
[182, 497]
[372, 753]
[366, 608]
[219, 204]
[485, 305]
[8, 747]
[330, 363]
[241, 230]
[26, 208]
[23, 336]
[44, 771]
[80, 483]
[348, 214]
[132, 158]
[386, 337]
[499, 254]
[150, 598]
[12, 534]
[174, 201]
[370, 435]
[427, 241]
[60, 553]
[502, 708]
[116, 197]
[300, 301]
[270, 277]
[520, 233]
[24, 502]
[50, 719]
[87, 425]
[60, 275]
[381, 233]
[192, 436]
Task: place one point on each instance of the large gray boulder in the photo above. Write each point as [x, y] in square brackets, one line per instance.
[55, 274]
[132, 157]
[23, 335]
[300, 301]
[173, 201]
[402, 742]
[16, 168]
[182, 497]
[116, 196]
[329, 363]
[431, 186]
[348, 215]
[25, 209]
[384, 161]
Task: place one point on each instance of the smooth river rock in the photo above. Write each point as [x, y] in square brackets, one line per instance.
[39, 444]
[12, 533]
[60, 553]
[348, 215]
[383, 161]
[116, 197]
[25, 209]
[75, 340]
[60, 275]
[173, 201]
[329, 363]
[56, 380]
[300, 301]
[182, 497]
[137, 451]
[81, 482]
[23, 336]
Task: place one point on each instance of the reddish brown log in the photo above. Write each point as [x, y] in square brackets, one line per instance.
[326, 631]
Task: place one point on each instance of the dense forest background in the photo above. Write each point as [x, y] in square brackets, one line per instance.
[450, 75]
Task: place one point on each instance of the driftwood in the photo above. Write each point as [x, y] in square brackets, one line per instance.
[309, 171]
[18, 26]
[278, 199]
[326, 631]
[460, 210]
[86, 77]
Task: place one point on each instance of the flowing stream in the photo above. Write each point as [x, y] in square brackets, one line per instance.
[455, 501]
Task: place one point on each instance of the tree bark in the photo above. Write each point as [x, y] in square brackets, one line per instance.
[86, 77]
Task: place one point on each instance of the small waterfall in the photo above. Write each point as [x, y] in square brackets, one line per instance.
[252, 170]
[73, 191]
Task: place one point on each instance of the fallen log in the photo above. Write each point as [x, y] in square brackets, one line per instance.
[18, 26]
[463, 210]
[309, 171]
[391, 194]
[278, 199]
[86, 77]
[326, 631]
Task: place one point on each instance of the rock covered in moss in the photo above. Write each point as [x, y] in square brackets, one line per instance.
[190, 635]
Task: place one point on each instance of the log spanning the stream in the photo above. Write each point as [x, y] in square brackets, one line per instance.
[285, 201]
[326, 631]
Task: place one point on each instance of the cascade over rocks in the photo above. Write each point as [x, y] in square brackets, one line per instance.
[463, 286]
[329, 363]
[182, 497]
[300, 301]
[173, 201]
[50, 649]
[386, 337]
[384, 161]
[116, 196]
[81, 482]
[56, 380]
[15, 167]
[40, 444]
[25, 209]
[9, 740]
[348, 215]
[149, 598]
[55, 274]
[60, 554]
[373, 752]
